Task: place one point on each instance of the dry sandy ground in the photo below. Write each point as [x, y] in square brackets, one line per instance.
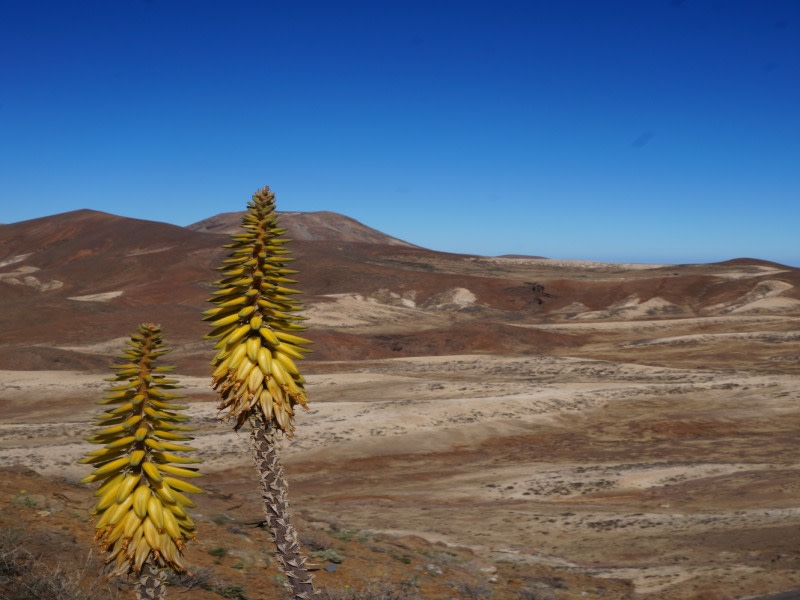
[681, 480]
[661, 448]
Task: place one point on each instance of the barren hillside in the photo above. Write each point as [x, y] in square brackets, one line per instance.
[624, 427]
[306, 226]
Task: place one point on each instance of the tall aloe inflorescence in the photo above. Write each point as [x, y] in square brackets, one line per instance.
[254, 370]
[141, 516]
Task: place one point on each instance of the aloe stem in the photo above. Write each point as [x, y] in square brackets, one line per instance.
[151, 583]
[276, 507]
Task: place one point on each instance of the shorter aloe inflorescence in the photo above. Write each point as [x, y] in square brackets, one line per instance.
[141, 511]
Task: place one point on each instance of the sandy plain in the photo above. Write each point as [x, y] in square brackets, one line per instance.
[680, 480]
[659, 446]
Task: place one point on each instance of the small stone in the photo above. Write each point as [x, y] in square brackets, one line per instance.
[246, 557]
[433, 570]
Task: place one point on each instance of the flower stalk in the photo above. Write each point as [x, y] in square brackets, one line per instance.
[255, 322]
[141, 513]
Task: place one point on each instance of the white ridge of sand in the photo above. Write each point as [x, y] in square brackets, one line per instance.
[762, 298]
[149, 251]
[633, 308]
[14, 259]
[655, 326]
[357, 310]
[19, 272]
[767, 337]
[459, 297]
[758, 271]
[768, 305]
[110, 347]
[104, 297]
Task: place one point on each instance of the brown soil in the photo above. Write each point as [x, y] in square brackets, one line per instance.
[528, 428]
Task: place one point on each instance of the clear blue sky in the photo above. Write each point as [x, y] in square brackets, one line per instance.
[619, 130]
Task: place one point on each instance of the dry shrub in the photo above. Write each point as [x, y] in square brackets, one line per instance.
[383, 590]
[472, 591]
[24, 577]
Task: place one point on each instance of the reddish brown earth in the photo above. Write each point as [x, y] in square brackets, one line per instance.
[586, 429]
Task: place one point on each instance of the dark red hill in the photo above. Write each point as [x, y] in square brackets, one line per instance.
[87, 277]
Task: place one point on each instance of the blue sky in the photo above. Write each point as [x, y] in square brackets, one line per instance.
[618, 130]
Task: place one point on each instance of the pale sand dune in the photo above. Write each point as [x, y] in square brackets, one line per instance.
[459, 297]
[356, 310]
[633, 308]
[762, 298]
[22, 276]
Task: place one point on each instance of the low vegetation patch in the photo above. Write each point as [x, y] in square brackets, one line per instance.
[24, 577]
[384, 590]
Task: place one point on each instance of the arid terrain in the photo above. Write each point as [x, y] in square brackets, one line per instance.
[480, 427]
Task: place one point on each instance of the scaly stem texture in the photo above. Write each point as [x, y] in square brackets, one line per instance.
[276, 507]
[151, 583]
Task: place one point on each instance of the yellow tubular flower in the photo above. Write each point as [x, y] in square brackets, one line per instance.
[252, 320]
[132, 465]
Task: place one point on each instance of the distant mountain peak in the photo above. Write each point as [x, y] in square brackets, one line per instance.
[306, 226]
